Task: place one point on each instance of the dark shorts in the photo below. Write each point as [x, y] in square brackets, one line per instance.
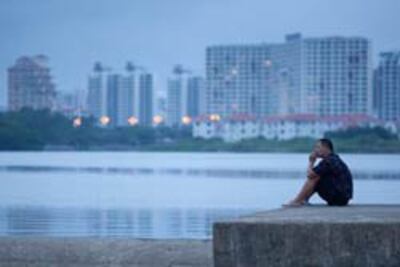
[327, 191]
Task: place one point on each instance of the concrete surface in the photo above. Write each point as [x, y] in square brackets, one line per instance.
[82, 252]
[355, 235]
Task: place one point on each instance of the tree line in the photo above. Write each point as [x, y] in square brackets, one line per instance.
[29, 129]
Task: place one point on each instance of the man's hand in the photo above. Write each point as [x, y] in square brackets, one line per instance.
[313, 157]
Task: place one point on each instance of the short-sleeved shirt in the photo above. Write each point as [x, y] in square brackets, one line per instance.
[333, 168]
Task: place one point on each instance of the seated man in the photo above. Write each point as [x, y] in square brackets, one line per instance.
[331, 178]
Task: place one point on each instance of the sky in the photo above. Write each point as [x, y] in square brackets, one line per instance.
[158, 34]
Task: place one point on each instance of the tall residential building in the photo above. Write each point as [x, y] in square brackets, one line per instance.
[195, 98]
[387, 87]
[30, 84]
[236, 79]
[97, 92]
[129, 101]
[112, 95]
[323, 76]
[146, 99]
[175, 105]
[185, 96]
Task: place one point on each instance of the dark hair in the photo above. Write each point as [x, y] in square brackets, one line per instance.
[327, 143]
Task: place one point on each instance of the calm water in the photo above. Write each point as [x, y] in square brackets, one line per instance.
[161, 195]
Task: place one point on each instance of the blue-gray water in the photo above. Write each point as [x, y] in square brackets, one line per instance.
[161, 195]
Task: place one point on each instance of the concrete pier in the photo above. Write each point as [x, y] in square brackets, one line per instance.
[91, 252]
[355, 235]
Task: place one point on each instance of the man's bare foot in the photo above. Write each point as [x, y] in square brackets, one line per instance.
[295, 203]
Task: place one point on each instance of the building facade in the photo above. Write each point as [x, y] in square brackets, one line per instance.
[387, 87]
[176, 103]
[30, 84]
[185, 97]
[113, 95]
[97, 92]
[195, 96]
[146, 99]
[322, 76]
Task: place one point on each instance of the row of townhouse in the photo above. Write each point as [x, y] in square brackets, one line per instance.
[243, 126]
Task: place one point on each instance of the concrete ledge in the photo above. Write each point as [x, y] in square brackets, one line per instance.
[82, 252]
[356, 235]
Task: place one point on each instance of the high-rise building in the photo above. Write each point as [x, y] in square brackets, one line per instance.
[336, 76]
[146, 99]
[128, 103]
[114, 98]
[97, 92]
[30, 84]
[112, 95]
[323, 76]
[185, 96]
[175, 101]
[387, 87]
[195, 98]
[236, 78]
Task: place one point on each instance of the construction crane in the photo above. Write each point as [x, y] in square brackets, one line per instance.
[98, 67]
[179, 70]
[131, 67]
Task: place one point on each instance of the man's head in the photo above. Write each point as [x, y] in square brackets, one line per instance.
[323, 147]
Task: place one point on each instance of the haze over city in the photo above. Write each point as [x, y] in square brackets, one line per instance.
[156, 34]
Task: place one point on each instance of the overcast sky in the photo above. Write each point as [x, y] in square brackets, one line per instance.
[160, 33]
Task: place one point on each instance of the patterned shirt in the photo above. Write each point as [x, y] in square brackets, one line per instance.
[332, 167]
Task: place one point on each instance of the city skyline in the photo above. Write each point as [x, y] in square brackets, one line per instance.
[159, 35]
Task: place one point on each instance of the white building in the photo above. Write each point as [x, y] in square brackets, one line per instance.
[232, 129]
[280, 127]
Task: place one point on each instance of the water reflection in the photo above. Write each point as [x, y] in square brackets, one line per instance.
[136, 223]
[221, 173]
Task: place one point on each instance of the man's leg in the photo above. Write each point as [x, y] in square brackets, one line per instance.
[305, 193]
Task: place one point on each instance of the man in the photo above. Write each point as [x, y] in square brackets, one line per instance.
[331, 178]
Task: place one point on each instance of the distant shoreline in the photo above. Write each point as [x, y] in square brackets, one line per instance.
[225, 148]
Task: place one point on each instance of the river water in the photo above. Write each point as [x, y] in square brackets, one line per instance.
[161, 195]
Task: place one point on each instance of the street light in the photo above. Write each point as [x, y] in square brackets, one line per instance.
[104, 120]
[157, 119]
[186, 120]
[215, 117]
[132, 120]
[77, 122]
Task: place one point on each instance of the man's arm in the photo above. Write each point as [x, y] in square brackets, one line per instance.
[310, 172]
